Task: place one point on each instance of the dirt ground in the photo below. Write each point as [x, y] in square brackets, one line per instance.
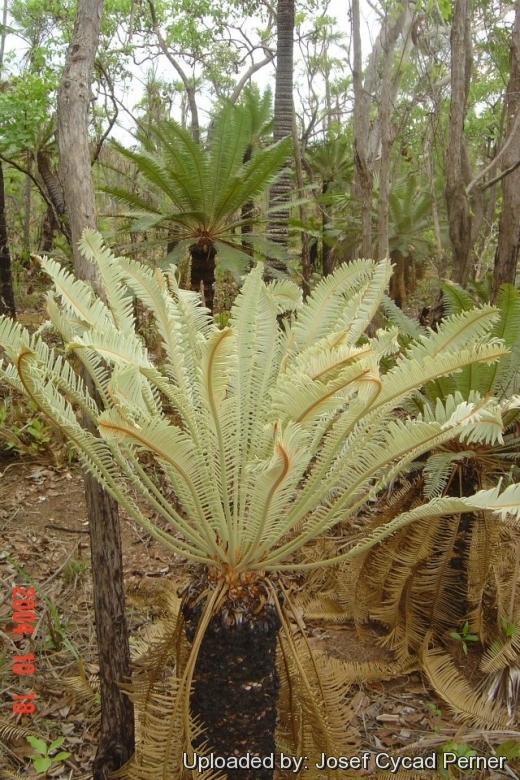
[44, 542]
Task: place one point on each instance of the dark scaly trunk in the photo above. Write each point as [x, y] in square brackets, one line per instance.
[203, 271]
[235, 688]
[56, 196]
[397, 290]
[47, 231]
[7, 305]
[464, 483]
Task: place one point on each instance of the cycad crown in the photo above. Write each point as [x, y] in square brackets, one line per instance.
[276, 434]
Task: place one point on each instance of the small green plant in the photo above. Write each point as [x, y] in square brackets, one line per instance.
[74, 570]
[464, 636]
[508, 629]
[43, 759]
[437, 713]
[23, 430]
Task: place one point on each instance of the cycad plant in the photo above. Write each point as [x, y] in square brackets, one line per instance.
[247, 444]
[427, 582]
[194, 195]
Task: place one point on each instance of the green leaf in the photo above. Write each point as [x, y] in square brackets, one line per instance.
[42, 764]
[38, 744]
[56, 743]
[61, 756]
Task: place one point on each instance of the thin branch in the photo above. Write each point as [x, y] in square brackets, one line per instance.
[112, 119]
[30, 175]
[471, 186]
[501, 175]
[184, 78]
[247, 75]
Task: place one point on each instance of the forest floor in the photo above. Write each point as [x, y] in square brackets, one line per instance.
[44, 543]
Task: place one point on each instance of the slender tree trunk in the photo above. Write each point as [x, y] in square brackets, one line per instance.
[327, 260]
[304, 236]
[362, 173]
[506, 256]
[7, 305]
[116, 740]
[386, 146]
[369, 134]
[457, 201]
[27, 208]
[280, 192]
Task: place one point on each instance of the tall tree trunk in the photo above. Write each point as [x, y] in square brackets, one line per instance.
[506, 256]
[116, 740]
[368, 133]
[362, 172]
[280, 192]
[327, 259]
[26, 251]
[7, 305]
[304, 236]
[457, 201]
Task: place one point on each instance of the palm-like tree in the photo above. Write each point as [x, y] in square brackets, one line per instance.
[409, 221]
[195, 194]
[331, 162]
[266, 437]
[280, 192]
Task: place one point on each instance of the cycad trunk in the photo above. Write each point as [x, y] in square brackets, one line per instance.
[235, 688]
[203, 271]
[398, 291]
